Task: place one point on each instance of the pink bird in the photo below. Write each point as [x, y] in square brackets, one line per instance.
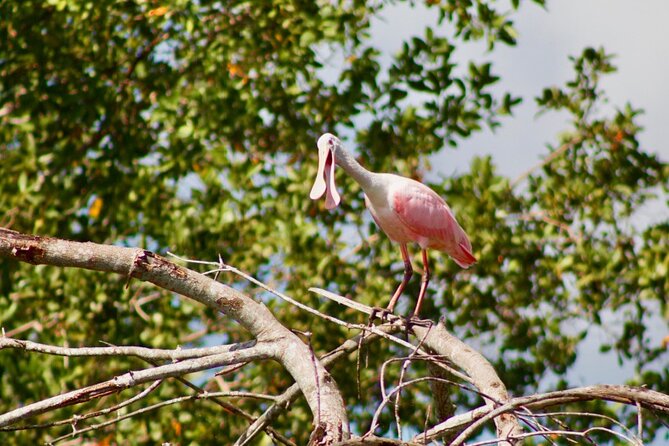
[406, 210]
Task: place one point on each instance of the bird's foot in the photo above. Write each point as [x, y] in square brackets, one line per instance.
[384, 314]
[415, 320]
[418, 322]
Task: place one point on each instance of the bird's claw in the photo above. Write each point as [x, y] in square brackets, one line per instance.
[384, 314]
[416, 321]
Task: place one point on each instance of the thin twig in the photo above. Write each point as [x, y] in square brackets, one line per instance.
[20, 329]
[583, 434]
[232, 408]
[405, 366]
[570, 413]
[140, 352]
[177, 400]
[137, 302]
[222, 267]
[377, 413]
[639, 428]
[77, 418]
[433, 358]
[623, 394]
[526, 417]
[358, 366]
[395, 320]
[541, 215]
[362, 308]
[350, 326]
[46, 322]
[131, 379]
[563, 148]
[553, 416]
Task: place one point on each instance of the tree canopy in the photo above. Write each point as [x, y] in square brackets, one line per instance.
[191, 127]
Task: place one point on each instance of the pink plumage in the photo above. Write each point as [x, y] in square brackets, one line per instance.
[405, 209]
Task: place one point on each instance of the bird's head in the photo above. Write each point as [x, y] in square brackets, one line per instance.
[328, 145]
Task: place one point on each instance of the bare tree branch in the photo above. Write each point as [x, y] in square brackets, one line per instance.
[134, 378]
[478, 370]
[376, 441]
[394, 320]
[565, 433]
[553, 155]
[278, 342]
[78, 418]
[647, 398]
[149, 355]
[139, 352]
[290, 395]
[555, 415]
[477, 367]
[178, 400]
[274, 341]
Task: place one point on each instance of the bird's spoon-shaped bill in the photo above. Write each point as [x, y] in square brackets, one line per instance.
[325, 178]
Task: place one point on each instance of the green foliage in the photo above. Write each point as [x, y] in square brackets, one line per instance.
[191, 126]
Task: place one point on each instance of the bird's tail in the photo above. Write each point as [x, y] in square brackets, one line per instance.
[464, 257]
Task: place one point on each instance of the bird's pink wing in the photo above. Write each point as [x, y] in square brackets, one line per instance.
[423, 211]
[428, 216]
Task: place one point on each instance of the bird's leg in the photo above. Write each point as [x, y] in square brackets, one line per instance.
[408, 272]
[423, 285]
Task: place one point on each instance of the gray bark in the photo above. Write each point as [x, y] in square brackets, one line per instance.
[279, 343]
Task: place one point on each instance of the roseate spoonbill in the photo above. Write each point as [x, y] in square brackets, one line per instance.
[406, 210]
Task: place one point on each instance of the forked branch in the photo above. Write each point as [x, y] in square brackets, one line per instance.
[278, 342]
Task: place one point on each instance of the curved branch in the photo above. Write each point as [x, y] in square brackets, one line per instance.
[290, 395]
[477, 367]
[393, 320]
[475, 419]
[315, 382]
[478, 371]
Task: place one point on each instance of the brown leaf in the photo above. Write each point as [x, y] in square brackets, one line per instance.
[158, 12]
[96, 207]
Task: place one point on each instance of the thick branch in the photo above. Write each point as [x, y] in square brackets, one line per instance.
[478, 371]
[477, 367]
[319, 388]
[290, 395]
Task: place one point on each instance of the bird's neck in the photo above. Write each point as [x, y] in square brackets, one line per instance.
[347, 162]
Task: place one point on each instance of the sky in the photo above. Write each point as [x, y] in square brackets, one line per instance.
[635, 32]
